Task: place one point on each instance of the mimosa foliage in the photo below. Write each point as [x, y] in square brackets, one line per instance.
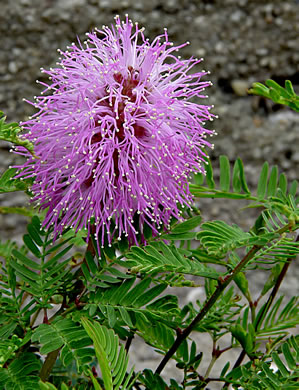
[272, 90]
[112, 359]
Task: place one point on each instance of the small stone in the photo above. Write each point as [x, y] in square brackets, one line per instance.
[262, 51]
[236, 16]
[12, 67]
[201, 52]
[295, 157]
[240, 87]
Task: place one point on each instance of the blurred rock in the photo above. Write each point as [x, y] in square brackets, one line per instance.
[240, 87]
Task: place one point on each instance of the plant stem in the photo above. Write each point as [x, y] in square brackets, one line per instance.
[209, 369]
[129, 342]
[223, 283]
[266, 306]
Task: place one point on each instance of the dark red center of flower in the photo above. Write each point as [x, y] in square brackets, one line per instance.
[127, 85]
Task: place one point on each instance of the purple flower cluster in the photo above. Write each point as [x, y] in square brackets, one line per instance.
[117, 134]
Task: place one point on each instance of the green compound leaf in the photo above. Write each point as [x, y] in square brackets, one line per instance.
[10, 132]
[9, 184]
[187, 225]
[159, 257]
[224, 173]
[270, 194]
[278, 320]
[44, 267]
[279, 249]
[112, 357]
[262, 183]
[21, 373]
[218, 237]
[272, 90]
[133, 304]
[259, 374]
[69, 336]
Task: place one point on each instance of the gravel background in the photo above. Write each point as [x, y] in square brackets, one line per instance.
[242, 41]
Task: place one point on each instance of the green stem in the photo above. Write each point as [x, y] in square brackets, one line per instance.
[211, 365]
[17, 210]
[222, 195]
[266, 307]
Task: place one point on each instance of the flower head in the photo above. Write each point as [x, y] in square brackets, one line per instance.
[117, 134]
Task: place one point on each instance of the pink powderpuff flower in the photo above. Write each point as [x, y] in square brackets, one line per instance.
[117, 134]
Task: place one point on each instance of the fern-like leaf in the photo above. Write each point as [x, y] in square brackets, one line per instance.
[262, 376]
[21, 373]
[273, 189]
[277, 93]
[218, 238]
[112, 358]
[279, 250]
[8, 182]
[10, 132]
[159, 257]
[43, 269]
[137, 305]
[69, 336]
[278, 320]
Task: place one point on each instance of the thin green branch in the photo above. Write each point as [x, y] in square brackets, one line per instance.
[266, 307]
[268, 304]
[17, 210]
[223, 283]
[204, 192]
[212, 362]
